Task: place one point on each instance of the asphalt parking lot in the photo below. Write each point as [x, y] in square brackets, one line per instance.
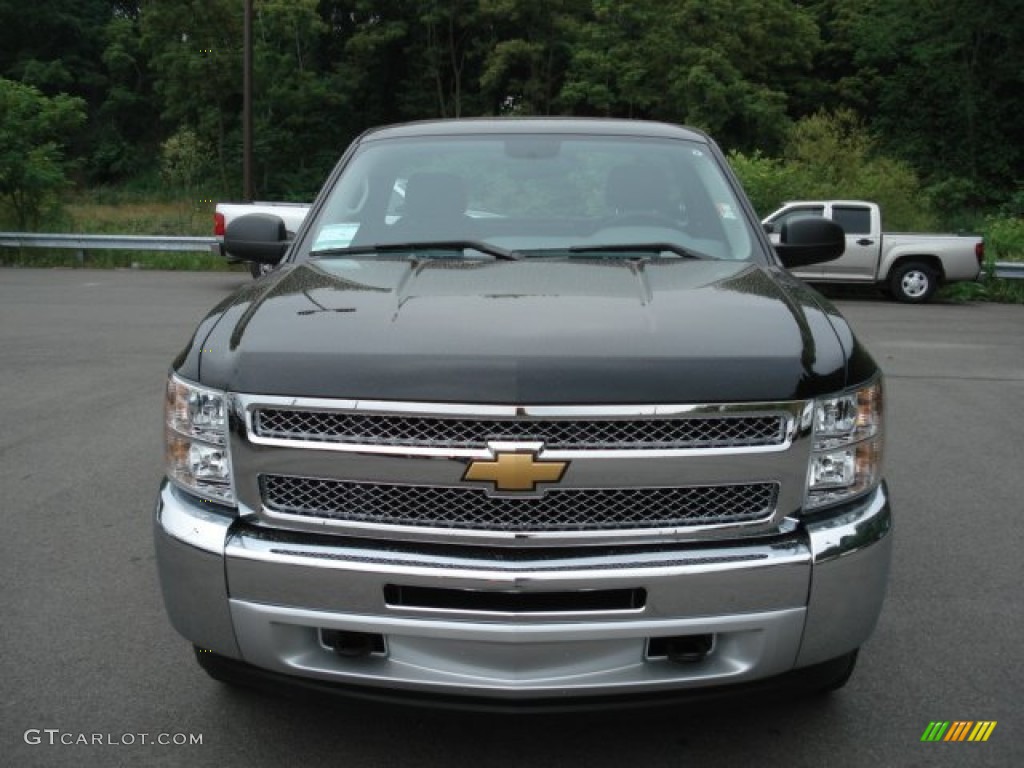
[86, 651]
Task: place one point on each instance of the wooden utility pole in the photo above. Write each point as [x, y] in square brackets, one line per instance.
[247, 181]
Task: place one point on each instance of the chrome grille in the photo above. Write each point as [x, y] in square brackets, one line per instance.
[556, 434]
[567, 509]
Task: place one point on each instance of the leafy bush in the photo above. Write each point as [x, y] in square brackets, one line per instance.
[1004, 238]
[183, 160]
[836, 157]
[832, 156]
[768, 181]
[1004, 241]
[33, 131]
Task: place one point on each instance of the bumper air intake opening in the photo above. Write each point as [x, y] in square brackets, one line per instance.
[683, 649]
[579, 601]
[353, 645]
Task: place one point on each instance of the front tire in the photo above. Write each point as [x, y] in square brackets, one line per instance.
[838, 672]
[913, 282]
[258, 270]
[213, 665]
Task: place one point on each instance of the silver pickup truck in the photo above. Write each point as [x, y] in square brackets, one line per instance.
[908, 267]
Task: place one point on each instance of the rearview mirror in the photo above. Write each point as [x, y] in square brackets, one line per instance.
[809, 240]
[259, 237]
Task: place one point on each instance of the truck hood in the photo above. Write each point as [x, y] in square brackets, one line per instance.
[537, 331]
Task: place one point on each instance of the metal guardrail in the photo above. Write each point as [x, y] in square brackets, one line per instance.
[109, 242]
[1009, 270]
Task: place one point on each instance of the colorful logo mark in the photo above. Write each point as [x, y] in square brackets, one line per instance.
[958, 730]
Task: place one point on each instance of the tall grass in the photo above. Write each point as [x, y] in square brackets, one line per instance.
[110, 212]
[44, 258]
[139, 217]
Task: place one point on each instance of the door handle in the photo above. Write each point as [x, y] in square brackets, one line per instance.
[865, 241]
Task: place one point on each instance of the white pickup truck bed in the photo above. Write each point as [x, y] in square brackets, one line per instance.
[291, 213]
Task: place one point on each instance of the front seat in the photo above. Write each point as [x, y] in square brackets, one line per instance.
[434, 209]
[638, 190]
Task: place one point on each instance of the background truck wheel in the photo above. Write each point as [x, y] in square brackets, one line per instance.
[913, 282]
[258, 270]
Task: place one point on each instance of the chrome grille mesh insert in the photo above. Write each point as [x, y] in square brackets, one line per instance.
[575, 509]
[556, 434]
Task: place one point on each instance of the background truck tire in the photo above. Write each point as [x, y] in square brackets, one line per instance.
[913, 282]
[258, 270]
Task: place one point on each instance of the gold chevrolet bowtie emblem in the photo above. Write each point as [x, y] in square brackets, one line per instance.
[516, 471]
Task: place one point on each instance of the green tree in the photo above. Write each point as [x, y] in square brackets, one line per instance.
[615, 69]
[57, 47]
[945, 82]
[126, 122]
[33, 132]
[836, 157]
[416, 60]
[838, 81]
[54, 45]
[524, 69]
[194, 50]
[383, 65]
[833, 156]
[722, 65]
[301, 107]
[451, 30]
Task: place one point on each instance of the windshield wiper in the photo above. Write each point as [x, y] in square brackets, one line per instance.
[678, 250]
[431, 245]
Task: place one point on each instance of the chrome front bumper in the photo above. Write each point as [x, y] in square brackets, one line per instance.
[264, 596]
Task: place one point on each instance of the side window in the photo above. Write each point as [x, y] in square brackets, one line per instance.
[796, 213]
[396, 201]
[855, 220]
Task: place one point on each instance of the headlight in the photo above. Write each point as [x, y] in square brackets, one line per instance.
[846, 456]
[196, 431]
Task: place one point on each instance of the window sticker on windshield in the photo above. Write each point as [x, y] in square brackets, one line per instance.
[725, 211]
[335, 236]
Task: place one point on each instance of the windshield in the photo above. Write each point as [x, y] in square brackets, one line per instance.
[533, 195]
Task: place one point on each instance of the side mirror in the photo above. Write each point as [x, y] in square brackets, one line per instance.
[768, 227]
[259, 237]
[809, 240]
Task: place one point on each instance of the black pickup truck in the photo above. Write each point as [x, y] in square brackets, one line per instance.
[531, 411]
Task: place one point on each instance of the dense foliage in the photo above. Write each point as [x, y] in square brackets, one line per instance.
[895, 100]
[32, 164]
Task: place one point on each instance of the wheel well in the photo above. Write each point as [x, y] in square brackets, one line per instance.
[929, 260]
